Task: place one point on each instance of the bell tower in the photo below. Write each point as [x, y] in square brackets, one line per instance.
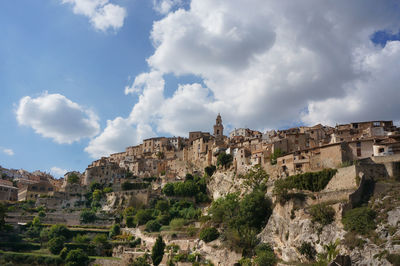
[218, 128]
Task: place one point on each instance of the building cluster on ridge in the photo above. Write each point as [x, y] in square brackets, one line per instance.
[281, 153]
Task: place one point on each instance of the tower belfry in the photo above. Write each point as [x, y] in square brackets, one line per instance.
[218, 128]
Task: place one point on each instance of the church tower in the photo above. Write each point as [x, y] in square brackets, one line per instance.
[218, 128]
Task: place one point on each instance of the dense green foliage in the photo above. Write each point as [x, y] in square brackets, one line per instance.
[153, 226]
[224, 159]
[3, 214]
[59, 230]
[130, 186]
[157, 252]
[322, 213]
[274, 157]
[209, 234]
[313, 181]
[307, 249]
[243, 218]
[88, 216]
[115, 230]
[210, 170]
[360, 220]
[73, 178]
[7, 258]
[265, 255]
[394, 259]
[195, 187]
[56, 244]
[77, 258]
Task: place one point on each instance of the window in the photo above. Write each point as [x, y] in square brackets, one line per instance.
[355, 125]
[358, 152]
[358, 144]
[381, 150]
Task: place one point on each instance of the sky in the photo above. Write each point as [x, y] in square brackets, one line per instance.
[80, 79]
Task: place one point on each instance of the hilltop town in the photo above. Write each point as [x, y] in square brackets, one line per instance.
[339, 168]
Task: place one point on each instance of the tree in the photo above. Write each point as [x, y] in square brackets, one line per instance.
[3, 215]
[153, 226]
[56, 244]
[209, 234]
[77, 257]
[274, 157]
[157, 251]
[143, 216]
[168, 189]
[115, 230]
[88, 216]
[224, 159]
[59, 230]
[97, 194]
[73, 178]
[209, 170]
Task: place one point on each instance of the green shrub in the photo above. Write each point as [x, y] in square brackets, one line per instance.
[394, 259]
[81, 239]
[157, 251]
[143, 216]
[153, 226]
[19, 246]
[64, 253]
[168, 189]
[209, 234]
[136, 186]
[360, 220]
[177, 223]
[115, 230]
[265, 255]
[307, 249]
[88, 248]
[210, 170]
[130, 221]
[322, 213]
[56, 244]
[77, 258]
[224, 159]
[274, 157]
[88, 216]
[59, 230]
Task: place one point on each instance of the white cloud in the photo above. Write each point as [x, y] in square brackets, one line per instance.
[269, 64]
[7, 151]
[165, 6]
[54, 116]
[102, 14]
[57, 171]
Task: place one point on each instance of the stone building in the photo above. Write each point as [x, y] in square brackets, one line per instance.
[7, 191]
[33, 191]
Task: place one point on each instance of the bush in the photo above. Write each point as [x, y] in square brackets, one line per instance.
[157, 251]
[76, 258]
[18, 246]
[209, 234]
[130, 186]
[73, 178]
[153, 226]
[274, 157]
[210, 170]
[322, 213]
[59, 230]
[130, 221]
[224, 159]
[168, 189]
[265, 255]
[64, 253]
[56, 244]
[81, 239]
[88, 216]
[143, 216]
[88, 248]
[307, 249]
[177, 223]
[360, 220]
[115, 230]
[394, 259]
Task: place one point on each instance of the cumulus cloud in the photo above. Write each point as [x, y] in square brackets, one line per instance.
[7, 151]
[55, 116]
[102, 14]
[270, 64]
[57, 171]
[165, 6]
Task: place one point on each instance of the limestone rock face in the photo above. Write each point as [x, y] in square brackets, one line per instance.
[222, 183]
[286, 230]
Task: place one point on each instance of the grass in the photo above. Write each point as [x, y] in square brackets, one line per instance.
[29, 253]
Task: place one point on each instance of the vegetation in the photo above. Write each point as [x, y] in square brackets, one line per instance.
[210, 170]
[359, 220]
[77, 258]
[73, 178]
[3, 215]
[224, 159]
[322, 214]
[209, 234]
[243, 218]
[153, 226]
[157, 251]
[115, 230]
[256, 178]
[190, 187]
[274, 157]
[56, 244]
[265, 255]
[307, 249]
[88, 216]
[394, 259]
[312, 181]
[137, 186]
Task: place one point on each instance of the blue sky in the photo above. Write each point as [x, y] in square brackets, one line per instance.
[166, 67]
